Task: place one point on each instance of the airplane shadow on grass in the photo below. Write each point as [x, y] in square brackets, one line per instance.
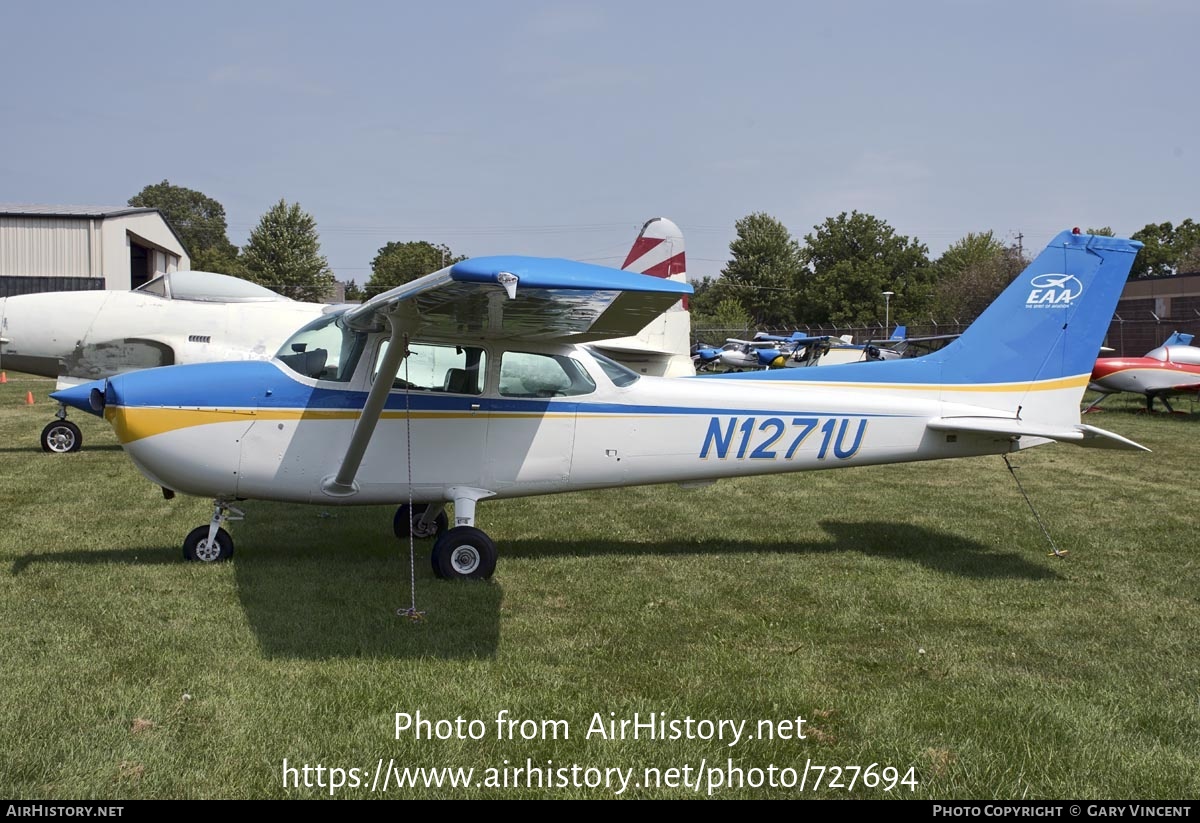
[937, 551]
[318, 602]
[327, 601]
[35, 449]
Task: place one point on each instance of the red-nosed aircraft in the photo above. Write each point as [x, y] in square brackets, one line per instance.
[1172, 368]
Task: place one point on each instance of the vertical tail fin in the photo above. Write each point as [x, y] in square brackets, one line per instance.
[658, 251]
[1050, 321]
[664, 347]
[1030, 354]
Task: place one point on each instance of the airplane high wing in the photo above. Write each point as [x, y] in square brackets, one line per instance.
[471, 383]
[560, 300]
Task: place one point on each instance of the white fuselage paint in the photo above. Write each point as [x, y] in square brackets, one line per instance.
[657, 430]
[88, 335]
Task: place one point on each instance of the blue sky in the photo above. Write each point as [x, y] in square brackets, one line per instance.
[557, 128]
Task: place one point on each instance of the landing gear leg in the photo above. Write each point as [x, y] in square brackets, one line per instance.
[211, 543]
[464, 552]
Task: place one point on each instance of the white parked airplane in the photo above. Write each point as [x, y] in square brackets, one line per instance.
[472, 383]
[180, 317]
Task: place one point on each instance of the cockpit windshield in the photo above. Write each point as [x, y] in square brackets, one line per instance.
[325, 349]
[208, 287]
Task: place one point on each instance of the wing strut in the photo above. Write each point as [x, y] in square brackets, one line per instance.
[342, 484]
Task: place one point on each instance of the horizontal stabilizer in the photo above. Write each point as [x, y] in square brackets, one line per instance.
[1100, 439]
[1079, 434]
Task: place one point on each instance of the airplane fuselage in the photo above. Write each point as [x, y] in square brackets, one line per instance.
[260, 430]
[90, 335]
[1143, 375]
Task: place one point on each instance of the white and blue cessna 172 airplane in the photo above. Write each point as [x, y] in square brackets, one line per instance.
[474, 383]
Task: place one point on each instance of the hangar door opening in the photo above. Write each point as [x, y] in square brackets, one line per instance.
[140, 269]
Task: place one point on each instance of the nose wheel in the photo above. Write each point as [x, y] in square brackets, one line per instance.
[61, 437]
[211, 543]
[198, 547]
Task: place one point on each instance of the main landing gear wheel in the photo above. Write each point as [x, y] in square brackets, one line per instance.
[406, 520]
[464, 553]
[61, 437]
[196, 546]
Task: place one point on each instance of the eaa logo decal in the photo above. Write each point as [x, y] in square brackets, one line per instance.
[1053, 291]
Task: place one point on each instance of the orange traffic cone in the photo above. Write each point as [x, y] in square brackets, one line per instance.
[3, 377]
[28, 398]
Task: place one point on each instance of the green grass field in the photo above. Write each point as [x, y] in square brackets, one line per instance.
[909, 614]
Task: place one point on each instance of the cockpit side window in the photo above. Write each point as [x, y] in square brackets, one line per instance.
[430, 367]
[325, 349]
[524, 374]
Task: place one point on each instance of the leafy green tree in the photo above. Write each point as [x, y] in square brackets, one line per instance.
[199, 221]
[284, 254]
[962, 254]
[1103, 231]
[762, 269]
[1189, 261]
[1154, 259]
[727, 318]
[399, 263]
[707, 294]
[1168, 249]
[352, 291]
[971, 273]
[852, 260]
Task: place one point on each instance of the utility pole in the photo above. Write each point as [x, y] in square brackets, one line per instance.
[1020, 248]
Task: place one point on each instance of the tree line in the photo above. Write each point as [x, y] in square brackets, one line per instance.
[838, 276]
[283, 252]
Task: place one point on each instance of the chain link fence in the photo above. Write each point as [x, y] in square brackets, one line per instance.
[1131, 336]
[1132, 333]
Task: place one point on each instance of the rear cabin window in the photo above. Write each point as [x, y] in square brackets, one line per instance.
[450, 369]
[523, 374]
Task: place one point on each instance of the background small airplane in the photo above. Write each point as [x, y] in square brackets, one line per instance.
[1172, 368]
[773, 351]
[180, 317]
[475, 382]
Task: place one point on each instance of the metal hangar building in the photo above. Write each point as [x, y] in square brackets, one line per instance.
[72, 248]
